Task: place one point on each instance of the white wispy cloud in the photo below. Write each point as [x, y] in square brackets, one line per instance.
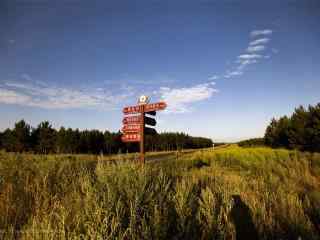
[257, 48]
[178, 99]
[260, 32]
[249, 56]
[214, 77]
[237, 72]
[259, 41]
[26, 76]
[49, 97]
[12, 97]
[245, 62]
[254, 53]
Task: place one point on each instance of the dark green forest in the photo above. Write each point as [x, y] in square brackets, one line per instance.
[45, 139]
[253, 142]
[299, 131]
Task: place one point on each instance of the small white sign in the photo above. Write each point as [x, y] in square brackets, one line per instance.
[144, 99]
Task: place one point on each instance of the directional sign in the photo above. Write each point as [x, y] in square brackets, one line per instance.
[131, 119]
[150, 131]
[152, 113]
[131, 128]
[155, 106]
[134, 137]
[132, 109]
[150, 121]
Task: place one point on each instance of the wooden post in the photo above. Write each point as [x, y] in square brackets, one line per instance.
[142, 144]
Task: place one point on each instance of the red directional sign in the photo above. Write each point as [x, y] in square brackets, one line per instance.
[131, 128]
[131, 119]
[132, 109]
[131, 137]
[155, 106]
[147, 108]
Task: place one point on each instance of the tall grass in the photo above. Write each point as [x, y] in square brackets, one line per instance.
[222, 194]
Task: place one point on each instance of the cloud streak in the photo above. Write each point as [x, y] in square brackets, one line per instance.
[249, 56]
[256, 33]
[252, 54]
[31, 94]
[12, 97]
[179, 99]
[48, 97]
[214, 77]
[259, 41]
[258, 48]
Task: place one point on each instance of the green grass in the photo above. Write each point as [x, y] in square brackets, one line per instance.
[220, 194]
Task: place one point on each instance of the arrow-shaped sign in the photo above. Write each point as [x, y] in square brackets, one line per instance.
[150, 121]
[152, 113]
[131, 119]
[130, 137]
[150, 131]
[155, 106]
[131, 128]
[132, 109]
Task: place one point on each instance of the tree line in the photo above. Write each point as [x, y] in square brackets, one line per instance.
[45, 139]
[299, 131]
[253, 142]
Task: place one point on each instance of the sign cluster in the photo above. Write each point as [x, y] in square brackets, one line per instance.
[139, 121]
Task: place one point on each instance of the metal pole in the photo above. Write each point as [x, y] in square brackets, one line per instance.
[142, 153]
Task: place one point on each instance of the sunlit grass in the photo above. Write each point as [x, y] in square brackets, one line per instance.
[194, 196]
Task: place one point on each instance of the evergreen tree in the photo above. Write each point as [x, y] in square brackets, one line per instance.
[300, 131]
[297, 133]
[46, 138]
[21, 136]
[313, 129]
[8, 141]
[271, 133]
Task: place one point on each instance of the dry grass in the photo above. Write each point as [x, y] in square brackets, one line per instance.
[221, 194]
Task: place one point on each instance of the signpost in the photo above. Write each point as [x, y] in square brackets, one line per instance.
[134, 128]
[131, 128]
[132, 109]
[150, 121]
[131, 120]
[150, 131]
[155, 107]
[130, 137]
[153, 113]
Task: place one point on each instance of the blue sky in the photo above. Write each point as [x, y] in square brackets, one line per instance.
[225, 68]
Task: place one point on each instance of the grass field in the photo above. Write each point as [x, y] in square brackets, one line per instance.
[248, 193]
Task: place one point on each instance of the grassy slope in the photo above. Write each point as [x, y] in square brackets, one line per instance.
[255, 192]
